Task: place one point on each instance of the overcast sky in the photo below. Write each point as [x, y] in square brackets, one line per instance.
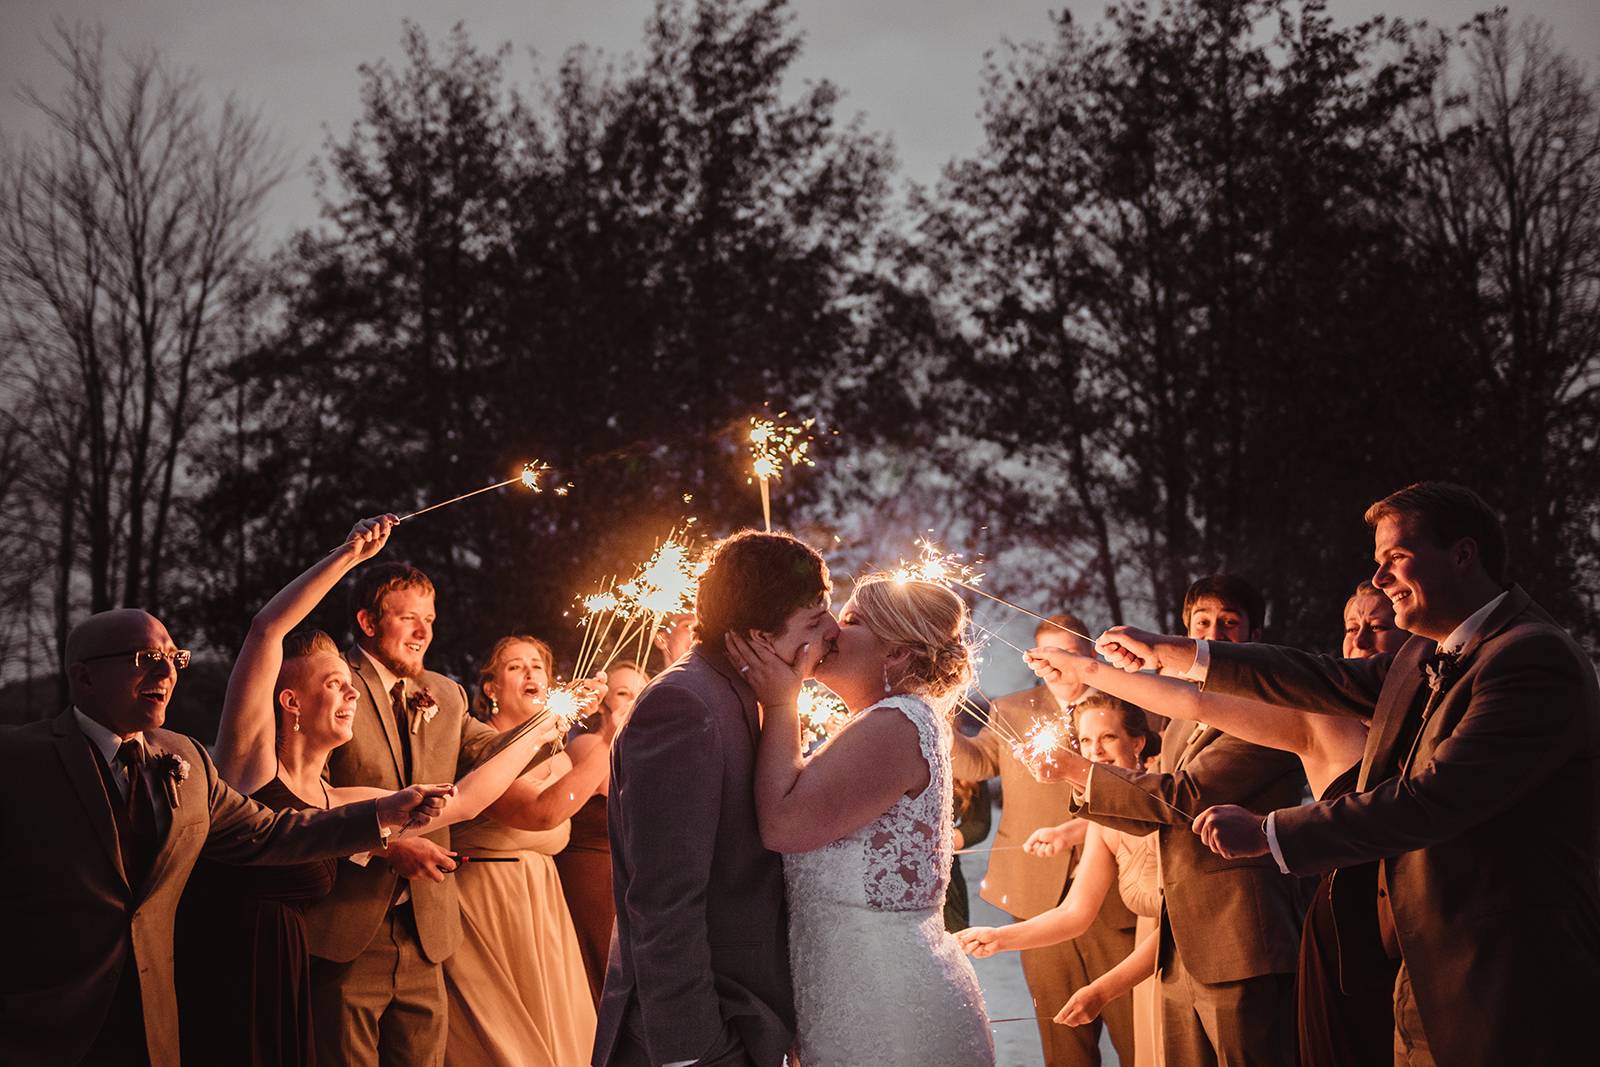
[911, 66]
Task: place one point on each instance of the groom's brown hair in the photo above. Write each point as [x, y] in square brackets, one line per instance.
[753, 581]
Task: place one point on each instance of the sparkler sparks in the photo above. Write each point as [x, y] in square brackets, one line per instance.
[821, 714]
[772, 444]
[568, 703]
[933, 565]
[662, 586]
[1043, 740]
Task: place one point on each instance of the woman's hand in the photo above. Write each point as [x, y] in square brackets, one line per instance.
[416, 805]
[1084, 1007]
[367, 537]
[1049, 841]
[1057, 666]
[776, 681]
[981, 942]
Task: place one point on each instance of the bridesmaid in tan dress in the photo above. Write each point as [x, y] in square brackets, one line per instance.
[1110, 731]
[518, 995]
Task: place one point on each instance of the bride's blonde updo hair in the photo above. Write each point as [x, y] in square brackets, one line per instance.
[929, 620]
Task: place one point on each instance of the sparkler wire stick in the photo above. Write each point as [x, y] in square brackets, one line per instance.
[1018, 607]
[457, 499]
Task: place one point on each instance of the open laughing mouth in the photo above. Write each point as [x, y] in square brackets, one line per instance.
[155, 694]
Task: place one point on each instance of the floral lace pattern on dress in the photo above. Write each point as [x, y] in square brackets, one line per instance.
[908, 846]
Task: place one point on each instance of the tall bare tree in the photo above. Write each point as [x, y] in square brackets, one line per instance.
[122, 227]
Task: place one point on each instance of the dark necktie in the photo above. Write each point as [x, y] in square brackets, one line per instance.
[136, 830]
[402, 721]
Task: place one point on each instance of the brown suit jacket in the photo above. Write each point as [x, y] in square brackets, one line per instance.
[68, 918]
[700, 962]
[1488, 827]
[1230, 919]
[343, 924]
[1019, 884]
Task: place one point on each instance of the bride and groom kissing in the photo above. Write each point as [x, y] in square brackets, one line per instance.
[770, 904]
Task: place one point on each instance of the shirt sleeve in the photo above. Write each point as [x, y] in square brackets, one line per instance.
[1272, 841]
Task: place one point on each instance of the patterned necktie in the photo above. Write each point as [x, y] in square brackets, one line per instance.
[139, 817]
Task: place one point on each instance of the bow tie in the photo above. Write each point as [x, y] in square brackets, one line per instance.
[1440, 668]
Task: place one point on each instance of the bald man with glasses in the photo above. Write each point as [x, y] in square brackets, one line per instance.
[116, 812]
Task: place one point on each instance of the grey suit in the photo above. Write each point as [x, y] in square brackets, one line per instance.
[71, 925]
[1487, 823]
[699, 967]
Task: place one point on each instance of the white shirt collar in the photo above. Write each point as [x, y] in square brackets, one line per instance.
[386, 677]
[104, 741]
[1461, 635]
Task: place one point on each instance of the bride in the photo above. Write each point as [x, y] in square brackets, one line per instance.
[864, 826]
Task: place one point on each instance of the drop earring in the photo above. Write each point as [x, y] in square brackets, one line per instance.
[295, 726]
[494, 707]
[887, 688]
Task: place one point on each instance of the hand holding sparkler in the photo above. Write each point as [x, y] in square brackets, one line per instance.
[1134, 650]
[1232, 832]
[1049, 841]
[1058, 667]
[367, 537]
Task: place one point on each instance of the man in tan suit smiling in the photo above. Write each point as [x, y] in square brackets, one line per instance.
[379, 938]
[1025, 883]
[117, 811]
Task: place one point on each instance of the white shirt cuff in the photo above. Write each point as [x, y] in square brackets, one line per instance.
[1272, 842]
[1201, 666]
[680, 1063]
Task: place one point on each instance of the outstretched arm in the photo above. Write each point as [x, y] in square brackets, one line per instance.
[804, 804]
[1067, 920]
[1271, 726]
[246, 736]
[539, 802]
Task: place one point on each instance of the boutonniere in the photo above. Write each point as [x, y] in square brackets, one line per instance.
[1440, 669]
[422, 707]
[173, 770]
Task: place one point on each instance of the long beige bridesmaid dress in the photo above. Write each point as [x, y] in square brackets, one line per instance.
[517, 991]
[1139, 883]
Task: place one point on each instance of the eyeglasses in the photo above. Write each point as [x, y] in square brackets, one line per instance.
[147, 657]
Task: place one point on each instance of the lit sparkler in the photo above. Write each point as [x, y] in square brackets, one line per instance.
[772, 445]
[947, 567]
[568, 703]
[1044, 739]
[821, 714]
[664, 585]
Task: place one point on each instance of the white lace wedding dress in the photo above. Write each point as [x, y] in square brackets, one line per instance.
[877, 980]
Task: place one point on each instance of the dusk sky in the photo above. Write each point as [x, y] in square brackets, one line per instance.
[911, 67]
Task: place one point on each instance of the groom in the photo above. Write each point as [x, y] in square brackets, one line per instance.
[699, 968]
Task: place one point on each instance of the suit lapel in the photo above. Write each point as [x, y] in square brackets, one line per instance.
[363, 669]
[1197, 741]
[158, 797]
[75, 753]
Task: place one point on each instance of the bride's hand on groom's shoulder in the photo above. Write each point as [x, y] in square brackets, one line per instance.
[775, 680]
[980, 941]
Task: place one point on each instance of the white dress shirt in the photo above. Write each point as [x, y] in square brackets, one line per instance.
[107, 743]
[1458, 639]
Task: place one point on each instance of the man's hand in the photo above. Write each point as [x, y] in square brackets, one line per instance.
[1049, 841]
[417, 857]
[1232, 832]
[1136, 650]
[1057, 667]
[416, 805]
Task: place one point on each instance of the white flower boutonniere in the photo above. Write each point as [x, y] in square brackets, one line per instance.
[173, 770]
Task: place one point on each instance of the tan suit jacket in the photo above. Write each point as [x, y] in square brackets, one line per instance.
[1488, 826]
[68, 918]
[1018, 884]
[1229, 919]
[343, 924]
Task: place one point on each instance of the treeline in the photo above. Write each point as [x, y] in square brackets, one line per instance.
[1219, 275]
